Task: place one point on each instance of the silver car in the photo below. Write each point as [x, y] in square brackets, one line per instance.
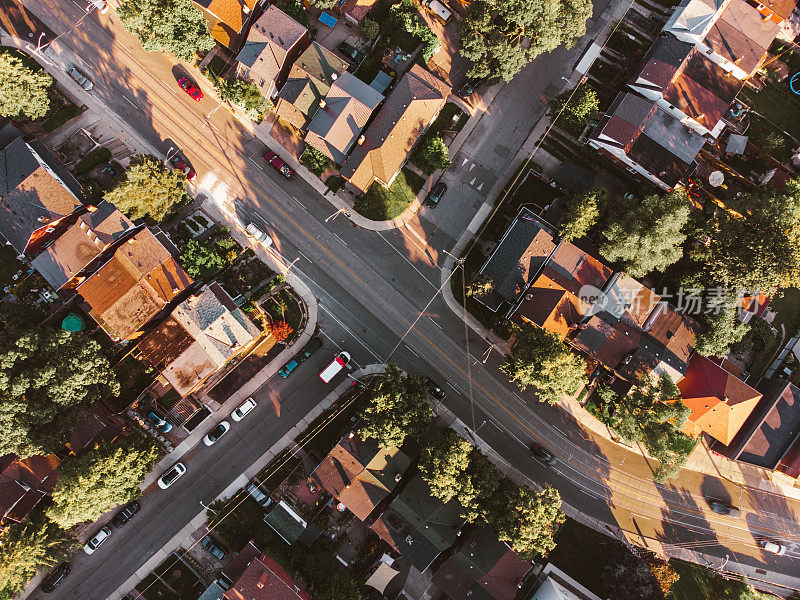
[82, 80]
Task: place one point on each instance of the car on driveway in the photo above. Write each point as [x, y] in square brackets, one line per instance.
[176, 162]
[312, 346]
[436, 194]
[351, 53]
[721, 508]
[213, 436]
[159, 422]
[240, 411]
[773, 547]
[82, 80]
[277, 163]
[466, 90]
[172, 475]
[434, 389]
[289, 367]
[125, 514]
[97, 540]
[191, 89]
[258, 494]
[56, 576]
[540, 453]
[216, 549]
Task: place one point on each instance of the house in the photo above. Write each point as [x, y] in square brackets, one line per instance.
[309, 80]
[720, 402]
[647, 140]
[419, 526]
[337, 124]
[400, 122]
[201, 334]
[359, 474]
[356, 11]
[261, 578]
[66, 261]
[517, 258]
[139, 280]
[227, 19]
[274, 42]
[483, 566]
[687, 85]
[776, 10]
[554, 584]
[24, 483]
[38, 197]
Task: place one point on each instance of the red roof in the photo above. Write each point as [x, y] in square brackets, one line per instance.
[265, 579]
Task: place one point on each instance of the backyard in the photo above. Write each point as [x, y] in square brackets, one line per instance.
[380, 204]
[173, 579]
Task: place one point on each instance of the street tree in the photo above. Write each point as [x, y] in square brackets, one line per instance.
[431, 155]
[581, 213]
[397, 407]
[99, 479]
[574, 108]
[24, 92]
[646, 235]
[201, 259]
[501, 36]
[175, 27]
[48, 378]
[28, 548]
[444, 463]
[479, 483]
[538, 358]
[315, 160]
[149, 189]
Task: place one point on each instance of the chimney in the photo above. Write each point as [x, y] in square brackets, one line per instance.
[262, 580]
[322, 104]
[398, 477]
[334, 77]
[361, 140]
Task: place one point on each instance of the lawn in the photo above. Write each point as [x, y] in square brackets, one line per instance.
[61, 116]
[380, 204]
[698, 583]
[787, 304]
[580, 553]
[778, 104]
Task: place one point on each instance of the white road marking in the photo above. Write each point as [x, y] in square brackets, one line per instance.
[129, 101]
[408, 261]
[304, 256]
[338, 238]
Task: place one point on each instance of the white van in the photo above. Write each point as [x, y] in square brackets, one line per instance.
[337, 364]
[439, 10]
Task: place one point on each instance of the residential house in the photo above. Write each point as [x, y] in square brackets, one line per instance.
[228, 20]
[341, 117]
[261, 578]
[24, 483]
[720, 402]
[777, 11]
[137, 282]
[38, 197]
[360, 474]
[274, 42]
[201, 334]
[647, 140]
[400, 122]
[483, 566]
[67, 260]
[518, 256]
[419, 526]
[309, 80]
[557, 585]
[356, 11]
[687, 85]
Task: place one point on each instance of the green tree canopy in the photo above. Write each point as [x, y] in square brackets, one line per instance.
[23, 91]
[538, 358]
[479, 483]
[581, 213]
[370, 28]
[200, 259]
[28, 548]
[480, 285]
[444, 463]
[48, 378]
[99, 479]
[431, 155]
[398, 407]
[723, 329]
[175, 27]
[149, 189]
[646, 234]
[578, 106]
[492, 32]
[315, 160]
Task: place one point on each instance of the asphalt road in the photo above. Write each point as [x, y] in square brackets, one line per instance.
[372, 287]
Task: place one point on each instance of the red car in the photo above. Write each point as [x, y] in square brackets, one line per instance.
[190, 88]
[278, 164]
[176, 162]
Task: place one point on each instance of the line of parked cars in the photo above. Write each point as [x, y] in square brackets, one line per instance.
[312, 346]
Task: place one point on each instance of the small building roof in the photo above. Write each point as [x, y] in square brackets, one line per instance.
[358, 9]
[226, 19]
[268, 44]
[265, 579]
[574, 269]
[741, 35]
[736, 144]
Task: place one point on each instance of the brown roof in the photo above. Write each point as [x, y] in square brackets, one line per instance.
[166, 342]
[337, 470]
[134, 285]
[608, 344]
[265, 579]
[741, 35]
[417, 99]
[24, 482]
[674, 330]
[358, 9]
[502, 581]
[572, 268]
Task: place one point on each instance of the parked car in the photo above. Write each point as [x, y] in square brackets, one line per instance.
[82, 80]
[55, 577]
[240, 411]
[436, 194]
[100, 5]
[190, 88]
[540, 453]
[312, 346]
[439, 10]
[337, 364]
[172, 475]
[773, 547]
[176, 162]
[289, 367]
[721, 508]
[254, 232]
[434, 390]
[217, 550]
[124, 515]
[277, 162]
[469, 87]
[213, 436]
[351, 52]
[159, 422]
[97, 540]
[258, 495]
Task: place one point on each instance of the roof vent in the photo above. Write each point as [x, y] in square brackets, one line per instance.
[262, 580]
[42, 219]
[322, 104]
[398, 477]
[361, 139]
[334, 77]
[246, 10]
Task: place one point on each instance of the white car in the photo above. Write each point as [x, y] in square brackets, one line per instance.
[258, 235]
[98, 539]
[100, 5]
[213, 436]
[172, 475]
[240, 411]
[773, 547]
[82, 80]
